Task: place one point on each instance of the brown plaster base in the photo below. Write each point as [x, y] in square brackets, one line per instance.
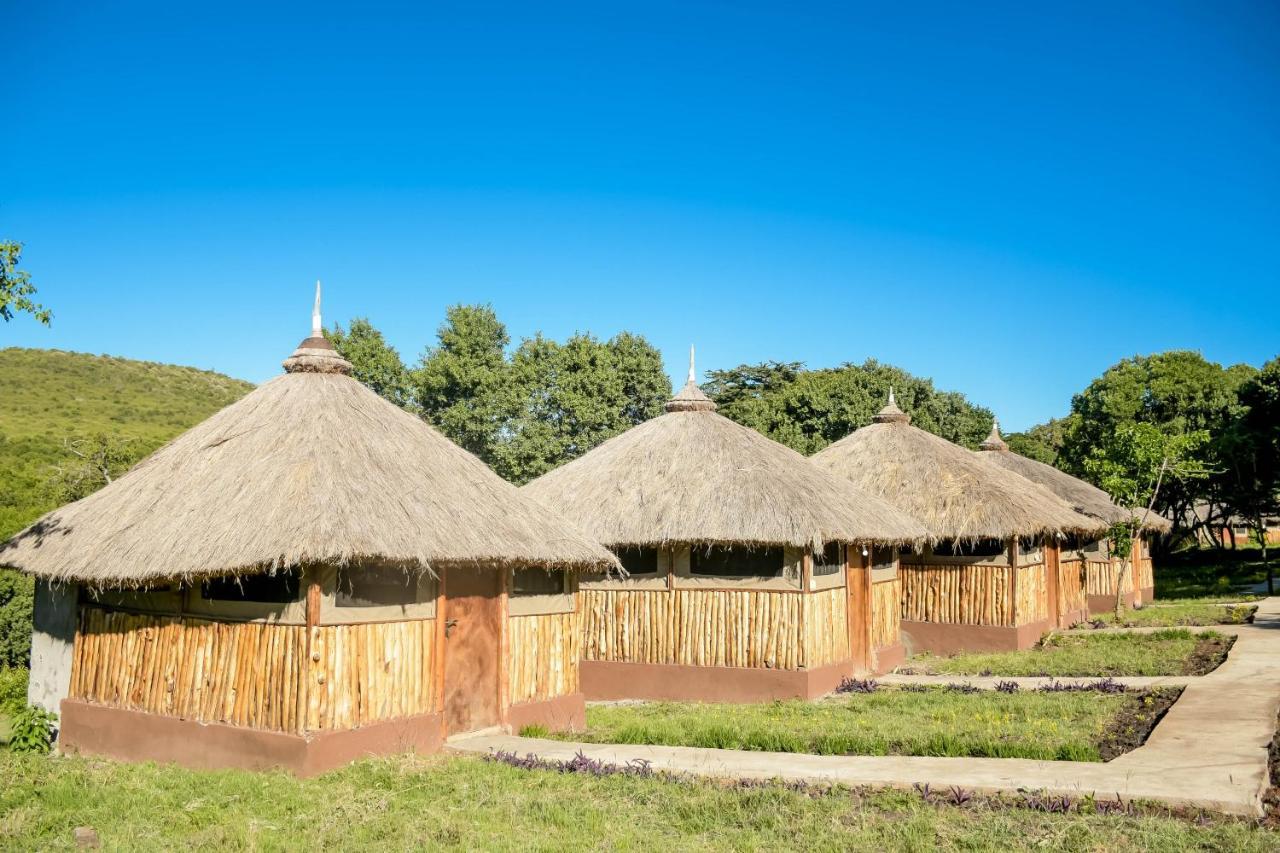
[561, 714]
[944, 638]
[139, 736]
[1074, 617]
[1107, 603]
[1148, 594]
[890, 658]
[607, 680]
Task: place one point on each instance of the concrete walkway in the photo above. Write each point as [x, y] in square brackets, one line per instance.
[1210, 750]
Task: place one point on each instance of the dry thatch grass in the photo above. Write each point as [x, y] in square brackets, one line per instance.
[311, 467]
[695, 476]
[948, 488]
[1083, 497]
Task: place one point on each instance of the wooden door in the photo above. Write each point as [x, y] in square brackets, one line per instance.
[1053, 580]
[473, 636]
[858, 579]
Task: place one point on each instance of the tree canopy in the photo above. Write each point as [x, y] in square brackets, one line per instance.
[374, 362]
[16, 288]
[809, 409]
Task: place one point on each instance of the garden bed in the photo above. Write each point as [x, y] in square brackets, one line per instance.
[1057, 724]
[1175, 651]
[1188, 613]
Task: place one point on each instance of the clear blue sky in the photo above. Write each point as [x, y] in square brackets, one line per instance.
[1006, 198]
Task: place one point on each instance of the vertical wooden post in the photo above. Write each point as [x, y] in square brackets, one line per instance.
[1013, 578]
[1135, 572]
[806, 570]
[438, 674]
[311, 679]
[671, 568]
[504, 648]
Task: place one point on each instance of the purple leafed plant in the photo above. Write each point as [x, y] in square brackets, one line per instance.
[857, 685]
[1102, 685]
[1041, 802]
[959, 796]
[957, 687]
[580, 763]
[1007, 686]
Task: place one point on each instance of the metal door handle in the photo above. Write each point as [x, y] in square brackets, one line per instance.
[449, 625]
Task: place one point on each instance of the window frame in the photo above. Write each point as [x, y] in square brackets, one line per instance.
[790, 579]
[332, 613]
[929, 557]
[881, 572]
[601, 580]
[291, 613]
[541, 604]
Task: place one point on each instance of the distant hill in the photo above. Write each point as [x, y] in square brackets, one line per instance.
[50, 397]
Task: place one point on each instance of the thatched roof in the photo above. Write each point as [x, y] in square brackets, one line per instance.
[1083, 497]
[952, 492]
[692, 475]
[310, 467]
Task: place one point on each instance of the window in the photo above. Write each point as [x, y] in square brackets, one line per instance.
[376, 586]
[981, 548]
[538, 591]
[721, 562]
[638, 561]
[828, 561]
[1029, 549]
[278, 588]
[538, 582]
[884, 563]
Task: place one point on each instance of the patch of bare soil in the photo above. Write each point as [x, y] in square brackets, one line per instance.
[1135, 720]
[1209, 654]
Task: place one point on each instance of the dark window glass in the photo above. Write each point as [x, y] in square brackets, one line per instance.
[537, 582]
[736, 563]
[1029, 546]
[981, 548]
[376, 586]
[828, 561]
[639, 561]
[280, 588]
[883, 557]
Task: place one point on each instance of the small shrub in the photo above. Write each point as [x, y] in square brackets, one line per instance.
[31, 730]
[13, 690]
[857, 685]
[535, 730]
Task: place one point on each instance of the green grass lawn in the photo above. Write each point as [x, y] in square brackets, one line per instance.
[1208, 610]
[1101, 654]
[891, 721]
[407, 802]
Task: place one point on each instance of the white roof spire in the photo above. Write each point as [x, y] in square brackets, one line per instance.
[317, 327]
[892, 402]
[691, 373]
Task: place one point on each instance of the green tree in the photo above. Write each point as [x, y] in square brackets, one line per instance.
[1042, 442]
[16, 288]
[1132, 465]
[91, 463]
[809, 409]
[17, 597]
[461, 385]
[568, 398]
[1179, 393]
[1250, 452]
[374, 362]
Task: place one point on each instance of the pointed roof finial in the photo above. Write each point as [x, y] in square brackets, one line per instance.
[690, 398]
[891, 414]
[892, 402]
[316, 354]
[994, 441]
[317, 328]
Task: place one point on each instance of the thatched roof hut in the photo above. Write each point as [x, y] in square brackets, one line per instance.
[693, 476]
[310, 467]
[1083, 497]
[954, 494]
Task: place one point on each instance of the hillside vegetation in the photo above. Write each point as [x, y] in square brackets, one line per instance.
[53, 397]
[53, 403]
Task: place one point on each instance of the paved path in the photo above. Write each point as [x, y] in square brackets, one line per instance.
[1210, 750]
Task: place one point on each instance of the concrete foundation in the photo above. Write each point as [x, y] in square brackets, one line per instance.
[561, 714]
[137, 736]
[52, 638]
[607, 681]
[1107, 603]
[890, 658]
[944, 638]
